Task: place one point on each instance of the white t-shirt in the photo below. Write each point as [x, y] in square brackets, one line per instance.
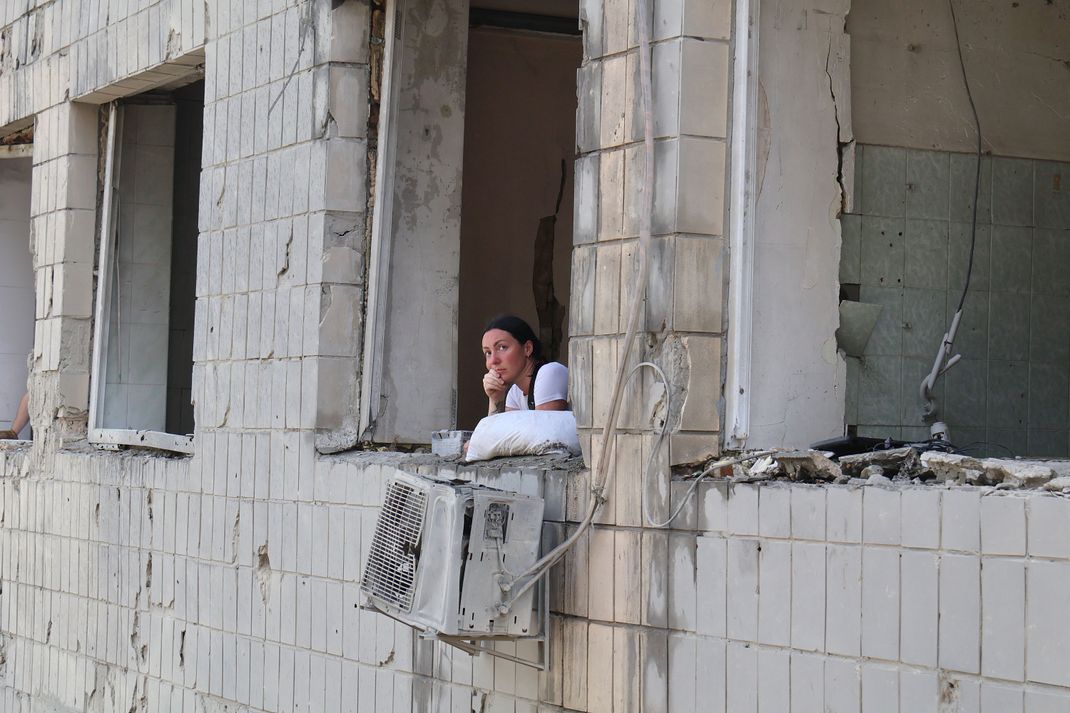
[551, 384]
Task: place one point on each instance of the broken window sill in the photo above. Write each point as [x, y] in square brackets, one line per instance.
[439, 466]
[115, 439]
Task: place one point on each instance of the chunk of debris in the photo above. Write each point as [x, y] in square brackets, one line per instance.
[808, 465]
[1058, 485]
[1017, 474]
[903, 461]
[764, 468]
[871, 471]
[876, 477]
[1006, 473]
[952, 467]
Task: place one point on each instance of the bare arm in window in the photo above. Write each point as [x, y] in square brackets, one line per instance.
[22, 417]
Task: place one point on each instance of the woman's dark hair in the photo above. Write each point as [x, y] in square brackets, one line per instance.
[520, 330]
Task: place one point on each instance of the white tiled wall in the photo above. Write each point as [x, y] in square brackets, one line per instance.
[228, 581]
[181, 594]
[16, 284]
[908, 247]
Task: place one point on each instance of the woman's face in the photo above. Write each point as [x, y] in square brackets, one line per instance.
[505, 355]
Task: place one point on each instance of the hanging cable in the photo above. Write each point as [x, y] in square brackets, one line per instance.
[944, 358]
[977, 169]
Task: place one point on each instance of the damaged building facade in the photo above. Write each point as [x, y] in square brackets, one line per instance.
[263, 240]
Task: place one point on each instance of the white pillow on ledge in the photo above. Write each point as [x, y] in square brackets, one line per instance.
[524, 433]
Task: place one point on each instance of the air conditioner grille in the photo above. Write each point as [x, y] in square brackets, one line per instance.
[394, 556]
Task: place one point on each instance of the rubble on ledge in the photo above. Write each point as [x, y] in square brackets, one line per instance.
[906, 464]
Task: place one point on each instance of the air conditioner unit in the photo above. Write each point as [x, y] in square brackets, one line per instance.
[440, 550]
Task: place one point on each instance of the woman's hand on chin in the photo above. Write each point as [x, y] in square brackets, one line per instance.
[494, 386]
[496, 389]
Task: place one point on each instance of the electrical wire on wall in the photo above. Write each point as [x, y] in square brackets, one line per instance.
[944, 359]
[977, 167]
[602, 476]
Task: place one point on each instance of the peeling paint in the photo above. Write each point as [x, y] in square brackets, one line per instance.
[263, 572]
[949, 693]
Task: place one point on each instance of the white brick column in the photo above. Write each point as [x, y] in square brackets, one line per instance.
[277, 332]
[635, 577]
[337, 234]
[683, 329]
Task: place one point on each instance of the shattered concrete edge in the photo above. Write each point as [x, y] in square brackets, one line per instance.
[908, 465]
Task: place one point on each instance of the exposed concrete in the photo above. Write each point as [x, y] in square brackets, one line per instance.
[798, 378]
[420, 347]
[428, 463]
[903, 465]
[907, 86]
[1007, 473]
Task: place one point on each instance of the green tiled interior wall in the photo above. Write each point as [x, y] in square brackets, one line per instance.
[907, 246]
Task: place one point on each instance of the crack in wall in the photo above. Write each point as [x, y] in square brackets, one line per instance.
[235, 537]
[148, 572]
[329, 126]
[841, 145]
[152, 536]
[141, 649]
[550, 310]
[139, 696]
[286, 255]
[305, 24]
[173, 46]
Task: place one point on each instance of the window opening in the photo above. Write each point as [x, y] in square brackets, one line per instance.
[16, 275]
[476, 145]
[143, 341]
[957, 236]
[516, 208]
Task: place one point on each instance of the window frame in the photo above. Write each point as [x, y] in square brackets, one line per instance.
[371, 373]
[742, 180]
[113, 438]
[379, 374]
